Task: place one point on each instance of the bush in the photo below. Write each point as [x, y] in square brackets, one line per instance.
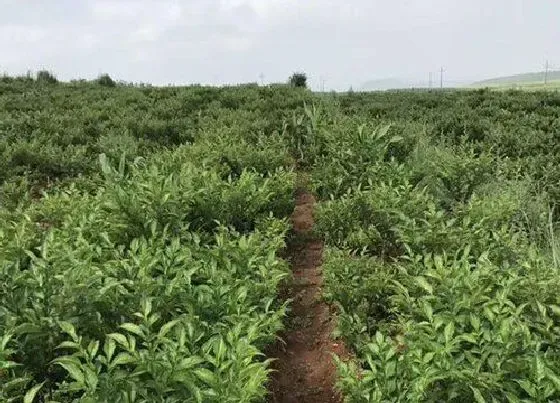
[106, 81]
[45, 76]
[298, 80]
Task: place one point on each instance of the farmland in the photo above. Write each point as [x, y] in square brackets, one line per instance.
[144, 235]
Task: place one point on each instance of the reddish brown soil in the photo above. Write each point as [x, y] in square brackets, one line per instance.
[304, 370]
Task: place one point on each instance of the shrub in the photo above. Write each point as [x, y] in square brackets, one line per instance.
[106, 81]
[298, 80]
[45, 76]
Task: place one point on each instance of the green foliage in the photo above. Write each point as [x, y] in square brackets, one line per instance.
[141, 227]
[148, 269]
[155, 276]
[455, 332]
[45, 76]
[105, 80]
[442, 248]
[298, 80]
[48, 141]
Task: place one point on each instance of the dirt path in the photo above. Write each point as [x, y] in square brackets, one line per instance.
[304, 368]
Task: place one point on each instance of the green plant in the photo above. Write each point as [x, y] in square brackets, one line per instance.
[298, 80]
[106, 81]
[46, 76]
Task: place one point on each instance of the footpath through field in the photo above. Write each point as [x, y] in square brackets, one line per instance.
[304, 369]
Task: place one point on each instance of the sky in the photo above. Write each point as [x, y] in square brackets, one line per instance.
[337, 43]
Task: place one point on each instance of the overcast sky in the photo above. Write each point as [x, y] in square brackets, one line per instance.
[346, 42]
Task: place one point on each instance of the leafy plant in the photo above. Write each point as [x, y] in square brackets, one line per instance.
[106, 81]
[298, 80]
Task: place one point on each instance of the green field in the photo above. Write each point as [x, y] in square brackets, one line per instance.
[143, 230]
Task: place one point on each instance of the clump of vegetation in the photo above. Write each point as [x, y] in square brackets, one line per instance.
[298, 80]
[105, 80]
[441, 255]
[45, 76]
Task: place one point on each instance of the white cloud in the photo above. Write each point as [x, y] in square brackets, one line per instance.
[20, 34]
[234, 40]
[134, 10]
[148, 33]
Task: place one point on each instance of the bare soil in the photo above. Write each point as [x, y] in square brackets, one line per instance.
[304, 371]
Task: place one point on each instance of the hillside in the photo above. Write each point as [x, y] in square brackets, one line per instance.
[403, 83]
[385, 84]
[519, 79]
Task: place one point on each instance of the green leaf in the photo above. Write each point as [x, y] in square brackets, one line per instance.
[390, 369]
[428, 310]
[428, 357]
[438, 262]
[68, 328]
[147, 306]
[109, 348]
[189, 362]
[554, 378]
[8, 364]
[477, 395]
[92, 348]
[119, 338]
[206, 376]
[26, 328]
[123, 358]
[469, 337]
[167, 327]
[91, 378]
[475, 322]
[132, 328]
[31, 393]
[69, 345]
[449, 331]
[422, 282]
[555, 309]
[528, 387]
[5, 340]
[72, 368]
[105, 167]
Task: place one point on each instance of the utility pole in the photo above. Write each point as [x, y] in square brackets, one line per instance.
[546, 73]
[322, 81]
[430, 80]
[261, 76]
[441, 78]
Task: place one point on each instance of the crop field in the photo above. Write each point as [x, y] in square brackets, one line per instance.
[145, 241]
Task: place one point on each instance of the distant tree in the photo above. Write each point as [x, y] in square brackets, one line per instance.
[45, 76]
[298, 79]
[106, 81]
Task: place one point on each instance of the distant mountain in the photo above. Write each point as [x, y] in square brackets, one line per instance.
[523, 78]
[386, 84]
[398, 83]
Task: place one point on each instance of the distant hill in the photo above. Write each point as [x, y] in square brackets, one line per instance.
[519, 79]
[385, 84]
[399, 83]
